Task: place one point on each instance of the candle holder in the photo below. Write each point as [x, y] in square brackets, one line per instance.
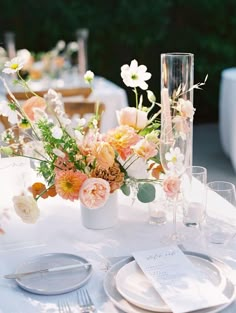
[82, 39]
[9, 39]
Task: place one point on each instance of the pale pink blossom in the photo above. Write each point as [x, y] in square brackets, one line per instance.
[181, 125]
[94, 192]
[171, 186]
[186, 109]
[132, 117]
[145, 149]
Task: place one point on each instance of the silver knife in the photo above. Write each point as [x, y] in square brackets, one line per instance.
[47, 270]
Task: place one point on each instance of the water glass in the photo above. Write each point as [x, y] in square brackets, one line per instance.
[194, 196]
[220, 233]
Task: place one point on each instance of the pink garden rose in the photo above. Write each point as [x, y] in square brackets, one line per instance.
[132, 117]
[94, 192]
[171, 186]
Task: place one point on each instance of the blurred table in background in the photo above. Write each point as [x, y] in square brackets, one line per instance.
[227, 113]
[112, 96]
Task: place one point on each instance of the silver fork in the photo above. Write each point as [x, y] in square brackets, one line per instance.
[85, 302]
[64, 307]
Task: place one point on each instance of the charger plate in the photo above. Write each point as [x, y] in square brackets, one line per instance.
[53, 283]
[217, 270]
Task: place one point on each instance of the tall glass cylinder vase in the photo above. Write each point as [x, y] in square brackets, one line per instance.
[176, 118]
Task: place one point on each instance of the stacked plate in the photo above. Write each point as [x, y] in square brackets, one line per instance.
[130, 290]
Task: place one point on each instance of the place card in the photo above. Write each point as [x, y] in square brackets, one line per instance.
[182, 286]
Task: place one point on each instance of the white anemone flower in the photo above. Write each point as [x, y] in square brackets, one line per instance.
[175, 159]
[88, 77]
[135, 75]
[13, 66]
[8, 110]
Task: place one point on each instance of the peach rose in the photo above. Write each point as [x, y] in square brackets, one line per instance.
[132, 117]
[31, 103]
[94, 192]
[26, 208]
[104, 154]
[121, 139]
[145, 149]
[171, 186]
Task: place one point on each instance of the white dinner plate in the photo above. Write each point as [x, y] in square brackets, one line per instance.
[135, 287]
[53, 283]
[215, 270]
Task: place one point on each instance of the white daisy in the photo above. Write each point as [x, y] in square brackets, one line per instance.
[135, 75]
[13, 66]
[9, 110]
[175, 159]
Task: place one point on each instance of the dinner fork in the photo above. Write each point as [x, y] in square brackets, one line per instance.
[64, 307]
[85, 302]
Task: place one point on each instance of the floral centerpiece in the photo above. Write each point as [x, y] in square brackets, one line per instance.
[82, 163]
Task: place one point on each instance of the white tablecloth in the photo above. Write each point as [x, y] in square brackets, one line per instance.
[227, 113]
[59, 230]
[112, 96]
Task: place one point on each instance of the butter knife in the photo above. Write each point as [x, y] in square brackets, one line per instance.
[46, 270]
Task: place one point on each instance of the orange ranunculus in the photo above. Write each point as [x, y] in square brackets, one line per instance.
[121, 139]
[52, 191]
[38, 188]
[31, 103]
[104, 154]
[132, 117]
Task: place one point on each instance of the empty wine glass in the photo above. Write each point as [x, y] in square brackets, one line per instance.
[219, 233]
[194, 195]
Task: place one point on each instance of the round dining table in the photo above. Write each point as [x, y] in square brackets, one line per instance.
[59, 229]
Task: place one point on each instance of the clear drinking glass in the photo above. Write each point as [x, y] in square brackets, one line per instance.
[219, 233]
[194, 191]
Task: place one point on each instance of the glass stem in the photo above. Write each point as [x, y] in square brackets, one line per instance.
[174, 221]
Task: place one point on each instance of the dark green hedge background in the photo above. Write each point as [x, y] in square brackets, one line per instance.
[121, 30]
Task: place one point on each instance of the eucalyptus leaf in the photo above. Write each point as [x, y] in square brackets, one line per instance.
[146, 192]
[125, 189]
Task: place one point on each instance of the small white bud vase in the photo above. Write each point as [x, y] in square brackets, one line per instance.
[101, 218]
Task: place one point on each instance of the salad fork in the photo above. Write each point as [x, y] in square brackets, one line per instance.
[85, 302]
[64, 307]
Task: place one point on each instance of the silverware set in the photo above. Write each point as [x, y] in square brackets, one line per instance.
[84, 301]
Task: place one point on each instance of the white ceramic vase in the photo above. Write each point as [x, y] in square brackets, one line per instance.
[103, 217]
